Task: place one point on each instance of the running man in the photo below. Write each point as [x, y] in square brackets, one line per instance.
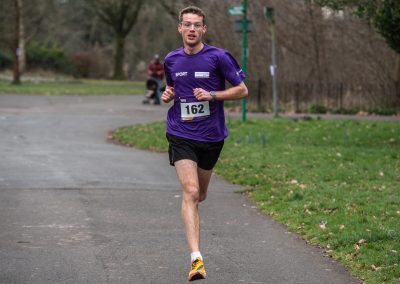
[196, 130]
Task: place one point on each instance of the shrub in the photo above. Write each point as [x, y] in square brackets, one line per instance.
[92, 63]
[315, 108]
[344, 111]
[84, 62]
[384, 111]
[53, 57]
[5, 60]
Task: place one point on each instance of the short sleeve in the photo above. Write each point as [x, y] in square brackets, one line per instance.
[230, 69]
[168, 76]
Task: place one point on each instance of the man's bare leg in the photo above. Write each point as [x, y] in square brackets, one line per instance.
[194, 182]
[204, 180]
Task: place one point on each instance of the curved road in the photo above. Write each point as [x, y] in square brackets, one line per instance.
[77, 209]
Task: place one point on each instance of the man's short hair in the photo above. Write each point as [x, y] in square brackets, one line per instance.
[192, 10]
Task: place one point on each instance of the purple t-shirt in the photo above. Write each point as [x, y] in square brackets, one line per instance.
[207, 69]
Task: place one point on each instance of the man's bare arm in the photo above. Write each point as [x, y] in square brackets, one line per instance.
[233, 93]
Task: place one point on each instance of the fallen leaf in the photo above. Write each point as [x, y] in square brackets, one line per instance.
[358, 245]
[322, 224]
[362, 241]
[375, 268]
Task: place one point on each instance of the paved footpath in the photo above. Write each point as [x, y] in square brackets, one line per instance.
[77, 209]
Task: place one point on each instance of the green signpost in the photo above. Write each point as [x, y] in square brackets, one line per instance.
[242, 10]
[235, 10]
[244, 53]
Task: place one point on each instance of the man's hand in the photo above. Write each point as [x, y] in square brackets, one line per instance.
[168, 94]
[202, 95]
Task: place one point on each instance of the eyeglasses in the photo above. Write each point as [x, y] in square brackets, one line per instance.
[188, 25]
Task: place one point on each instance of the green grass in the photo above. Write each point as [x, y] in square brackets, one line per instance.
[336, 182]
[74, 87]
[143, 136]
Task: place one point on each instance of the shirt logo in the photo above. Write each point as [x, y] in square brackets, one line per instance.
[181, 74]
[202, 74]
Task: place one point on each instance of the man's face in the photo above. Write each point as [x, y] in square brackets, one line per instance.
[192, 29]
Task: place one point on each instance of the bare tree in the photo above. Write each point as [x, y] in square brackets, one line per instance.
[120, 15]
[25, 18]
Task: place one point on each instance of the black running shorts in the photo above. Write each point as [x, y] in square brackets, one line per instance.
[205, 154]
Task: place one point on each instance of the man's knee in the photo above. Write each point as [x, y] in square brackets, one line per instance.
[191, 193]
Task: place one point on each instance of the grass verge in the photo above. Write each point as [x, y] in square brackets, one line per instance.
[73, 87]
[336, 182]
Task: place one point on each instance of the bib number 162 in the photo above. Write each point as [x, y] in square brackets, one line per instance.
[196, 109]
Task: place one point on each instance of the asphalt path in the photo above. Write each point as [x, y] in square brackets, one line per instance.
[75, 208]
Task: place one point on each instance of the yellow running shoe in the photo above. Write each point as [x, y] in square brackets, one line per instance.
[197, 272]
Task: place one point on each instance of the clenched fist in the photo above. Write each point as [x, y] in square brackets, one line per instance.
[168, 94]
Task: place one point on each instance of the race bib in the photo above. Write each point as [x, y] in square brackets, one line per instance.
[195, 109]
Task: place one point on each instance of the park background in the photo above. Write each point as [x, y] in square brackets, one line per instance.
[337, 61]
[327, 60]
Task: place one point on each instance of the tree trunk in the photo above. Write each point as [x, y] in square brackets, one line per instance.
[119, 58]
[315, 38]
[16, 51]
[21, 43]
[397, 82]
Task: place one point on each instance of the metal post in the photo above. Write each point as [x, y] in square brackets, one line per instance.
[269, 14]
[274, 90]
[244, 53]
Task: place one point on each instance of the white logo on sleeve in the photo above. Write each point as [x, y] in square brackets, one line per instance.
[181, 74]
[202, 74]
